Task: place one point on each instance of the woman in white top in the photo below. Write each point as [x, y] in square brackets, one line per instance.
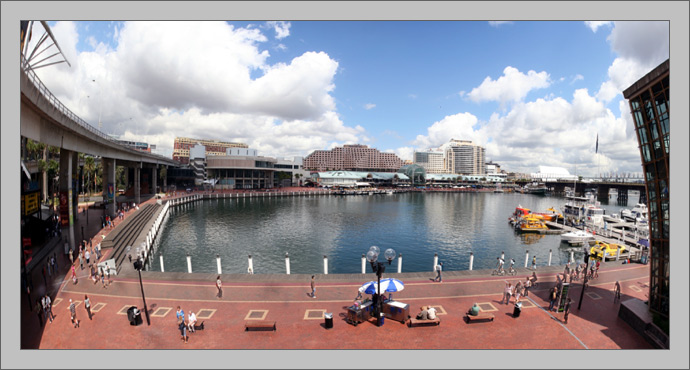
[431, 312]
[192, 322]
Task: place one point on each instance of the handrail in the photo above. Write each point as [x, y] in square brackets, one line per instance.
[26, 68]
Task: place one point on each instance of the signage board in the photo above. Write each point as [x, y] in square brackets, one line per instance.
[30, 203]
[64, 209]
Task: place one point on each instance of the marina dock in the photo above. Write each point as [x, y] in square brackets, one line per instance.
[634, 248]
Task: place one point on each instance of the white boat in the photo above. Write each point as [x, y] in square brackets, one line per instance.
[583, 211]
[612, 218]
[637, 213]
[577, 237]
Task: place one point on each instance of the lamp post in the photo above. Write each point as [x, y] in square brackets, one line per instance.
[584, 283]
[379, 268]
[138, 265]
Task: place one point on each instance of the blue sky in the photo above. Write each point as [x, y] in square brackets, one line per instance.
[533, 93]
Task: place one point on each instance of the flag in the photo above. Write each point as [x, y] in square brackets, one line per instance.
[596, 147]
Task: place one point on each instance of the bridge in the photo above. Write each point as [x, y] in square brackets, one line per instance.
[602, 188]
[45, 119]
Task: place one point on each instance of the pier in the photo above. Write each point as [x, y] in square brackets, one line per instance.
[634, 248]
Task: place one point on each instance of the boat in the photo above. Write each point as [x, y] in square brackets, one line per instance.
[498, 189]
[531, 224]
[577, 237]
[603, 250]
[536, 188]
[613, 218]
[584, 211]
[637, 213]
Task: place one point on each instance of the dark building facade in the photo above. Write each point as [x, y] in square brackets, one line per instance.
[650, 106]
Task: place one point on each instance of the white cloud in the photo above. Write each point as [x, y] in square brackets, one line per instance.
[499, 23]
[578, 77]
[513, 86]
[369, 106]
[281, 28]
[458, 126]
[594, 25]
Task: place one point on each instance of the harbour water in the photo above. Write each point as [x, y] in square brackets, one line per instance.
[344, 227]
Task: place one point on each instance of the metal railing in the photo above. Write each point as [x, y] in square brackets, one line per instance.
[25, 68]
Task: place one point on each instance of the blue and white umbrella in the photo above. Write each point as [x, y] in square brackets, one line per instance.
[392, 285]
[369, 288]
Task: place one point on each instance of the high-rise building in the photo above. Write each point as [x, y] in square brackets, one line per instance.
[213, 147]
[649, 105]
[432, 160]
[354, 157]
[464, 157]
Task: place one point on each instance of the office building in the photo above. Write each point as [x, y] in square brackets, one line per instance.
[212, 147]
[352, 158]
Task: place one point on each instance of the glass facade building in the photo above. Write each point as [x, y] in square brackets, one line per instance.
[650, 107]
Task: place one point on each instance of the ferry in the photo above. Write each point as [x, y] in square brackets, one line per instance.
[603, 250]
[583, 211]
[577, 237]
[531, 224]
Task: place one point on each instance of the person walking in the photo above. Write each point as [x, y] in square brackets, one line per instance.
[534, 262]
[527, 285]
[73, 313]
[74, 275]
[55, 261]
[87, 255]
[71, 256]
[617, 291]
[507, 292]
[183, 328]
[98, 250]
[48, 308]
[38, 308]
[313, 287]
[220, 287]
[107, 273]
[103, 278]
[552, 298]
[518, 290]
[45, 281]
[439, 269]
[81, 258]
[50, 267]
[87, 306]
[566, 310]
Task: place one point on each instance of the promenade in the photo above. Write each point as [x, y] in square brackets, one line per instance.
[300, 323]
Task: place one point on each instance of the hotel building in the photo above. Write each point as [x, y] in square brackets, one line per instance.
[213, 147]
[352, 158]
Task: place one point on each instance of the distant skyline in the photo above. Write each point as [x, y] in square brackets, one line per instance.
[532, 92]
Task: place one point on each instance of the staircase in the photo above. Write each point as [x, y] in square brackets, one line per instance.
[128, 232]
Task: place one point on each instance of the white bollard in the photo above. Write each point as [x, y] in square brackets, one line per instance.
[162, 269]
[400, 263]
[364, 264]
[435, 261]
[218, 264]
[471, 260]
[618, 253]
[572, 256]
[189, 264]
[550, 253]
[287, 263]
[251, 265]
[526, 258]
[325, 265]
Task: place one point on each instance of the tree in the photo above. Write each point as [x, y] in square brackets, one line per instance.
[89, 169]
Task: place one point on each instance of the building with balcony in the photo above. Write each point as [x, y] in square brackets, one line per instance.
[358, 158]
[212, 147]
[433, 160]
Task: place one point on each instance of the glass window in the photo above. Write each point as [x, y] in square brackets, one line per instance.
[666, 229]
[664, 123]
[654, 129]
[651, 193]
[649, 110]
[646, 155]
[662, 176]
[656, 88]
[643, 135]
[635, 104]
[639, 121]
[666, 143]
[657, 149]
[664, 82]
[660, 101]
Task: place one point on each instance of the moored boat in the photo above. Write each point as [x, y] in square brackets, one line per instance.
[577, 237]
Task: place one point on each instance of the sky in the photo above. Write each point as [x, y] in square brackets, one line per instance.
[531, 92]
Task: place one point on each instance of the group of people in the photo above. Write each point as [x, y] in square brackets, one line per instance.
[426, 313]
[185, 325]
[519, 290]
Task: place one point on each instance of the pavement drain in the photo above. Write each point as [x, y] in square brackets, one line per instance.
[97, 307]
[439, 310]
[314, 314]
[256, 315]
[205, 313]
[635, 289]
[487, 307]
[57, 301]
[161, 311]
[594, 296]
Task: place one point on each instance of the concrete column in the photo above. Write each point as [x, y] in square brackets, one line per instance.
[218, 263]
[75, 185]
[137, 184]
[154, 179]
[66, 196]
[109, 185]
[189, 263]
[162, 269]
[526, 258]
[471, 260]
[400, 263]
[435, 261]
[550, 253]
[287, 263]
[325, 265]
[364, 264]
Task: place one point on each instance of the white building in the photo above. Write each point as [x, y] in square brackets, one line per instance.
[432, 160]
[547, 173]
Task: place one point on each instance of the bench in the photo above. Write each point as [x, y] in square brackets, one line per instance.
[260, 325]
[480, 316]
[414, 322]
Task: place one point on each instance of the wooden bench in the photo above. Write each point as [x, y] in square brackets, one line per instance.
[414, 322]
[480, 316]
[260, 325]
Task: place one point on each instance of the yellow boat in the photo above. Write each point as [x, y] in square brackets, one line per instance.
[600, 247]
[530, 224]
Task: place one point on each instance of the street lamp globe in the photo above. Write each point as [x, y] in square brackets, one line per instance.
[389, 254]
[375, 249]
[372, 256]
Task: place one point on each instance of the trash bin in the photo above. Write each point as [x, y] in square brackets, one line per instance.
[383, 318]
[329, 319]
[134, 316]
[517, 309]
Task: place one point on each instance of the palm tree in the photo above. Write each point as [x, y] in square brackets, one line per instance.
[89, 169]
[297, 177]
